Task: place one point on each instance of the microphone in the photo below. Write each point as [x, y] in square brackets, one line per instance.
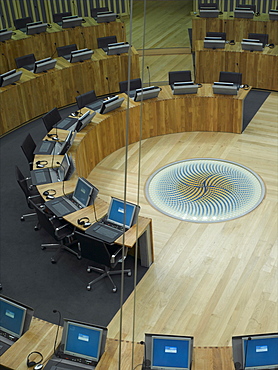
[148, 68]
[59, 322]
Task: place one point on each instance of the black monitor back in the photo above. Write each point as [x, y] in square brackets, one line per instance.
[21, 22]
[25, 60]
[208, 5]
[179, 76]
[65, 50]
[103, 42]
[85, 99]
[247, 6]
[135, 83]
[58, 17]
[233, 77]
[263, 37]
[94, 11]
[217, 34]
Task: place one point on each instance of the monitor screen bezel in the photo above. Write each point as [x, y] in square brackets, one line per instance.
[146, 93]
[131, 221]
[26, 319]
[71, 22]
[35, 28]
[80, 55]
[149, 349]
[64, 167]
[245, 349]
[10, 77]
[101, 344]
[111, 104]
[44, 65]
[92, 190]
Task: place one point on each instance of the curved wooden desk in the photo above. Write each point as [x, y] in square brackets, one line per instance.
[235, 28]
[36, 94]
[44, 44]
[210, 62]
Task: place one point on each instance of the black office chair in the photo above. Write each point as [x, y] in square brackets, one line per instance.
[20, 23]
[59, 229]
[51, 118]
[28, 146]
[29, 191]
[179, 76]
[135, 83]
[234, 77]
[95, 11]
[107, 256]
[26, 61]
[58, 17]
[86, 99]
[65, 51]
[103, 42]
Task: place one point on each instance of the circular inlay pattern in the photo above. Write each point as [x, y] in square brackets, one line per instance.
[204, 190]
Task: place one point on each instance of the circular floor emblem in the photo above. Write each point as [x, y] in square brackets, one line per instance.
[204, 190]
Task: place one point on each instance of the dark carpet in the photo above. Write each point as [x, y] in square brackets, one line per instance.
[26, 272]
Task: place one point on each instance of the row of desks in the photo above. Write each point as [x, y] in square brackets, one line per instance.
[41, 337]
[44, 44]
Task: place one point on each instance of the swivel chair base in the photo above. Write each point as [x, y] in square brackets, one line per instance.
[61, 247]
[106, 272]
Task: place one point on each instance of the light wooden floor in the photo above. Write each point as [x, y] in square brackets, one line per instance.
[211, 281]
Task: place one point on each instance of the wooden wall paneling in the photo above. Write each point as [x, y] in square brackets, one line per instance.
[8, 96]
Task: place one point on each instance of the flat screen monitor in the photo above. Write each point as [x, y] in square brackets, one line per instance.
[122, 213]
[111, 104]
[9, 77]
[252, 45]
[35, 27]
[256, 351]
[147, 93]
[67, 143]
[64, 167]
[222, 35]
[187, 87]
[117, 48]
[44, 65]
[82, 340]
[262, 37]
[106, 17]
[5, 34]
[225, 88]
[80, 55]
[84, 120]
[243, 13]
[209, 13]
[84, 191]
[168, 352]
[15, 317]
[214, 43]
[71, 21]
[273, 16]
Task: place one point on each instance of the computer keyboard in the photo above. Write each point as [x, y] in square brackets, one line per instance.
[106, 232]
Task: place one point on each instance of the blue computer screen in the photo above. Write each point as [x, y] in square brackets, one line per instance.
[12, 317]
[170, 353]
[117, 214]
[83, 340]
[261, 352]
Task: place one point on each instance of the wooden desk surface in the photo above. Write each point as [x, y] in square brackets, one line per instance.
[40, 337]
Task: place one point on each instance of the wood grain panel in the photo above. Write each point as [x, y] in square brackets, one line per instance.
[210, 62]
[235, 28]
[44, 44]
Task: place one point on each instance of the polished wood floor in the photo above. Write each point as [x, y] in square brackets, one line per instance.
[211, 281]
